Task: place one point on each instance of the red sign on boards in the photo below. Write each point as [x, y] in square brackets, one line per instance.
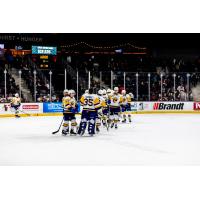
[30, 107]
[196, 106]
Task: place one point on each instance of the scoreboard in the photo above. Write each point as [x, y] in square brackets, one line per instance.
[43, 50]
[44, 61]
[44, 55]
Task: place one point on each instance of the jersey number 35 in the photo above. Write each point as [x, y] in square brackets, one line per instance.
[88, 102]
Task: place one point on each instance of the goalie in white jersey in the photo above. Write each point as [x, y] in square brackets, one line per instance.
[91, 104]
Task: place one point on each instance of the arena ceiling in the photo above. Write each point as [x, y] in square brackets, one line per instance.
[143, 40]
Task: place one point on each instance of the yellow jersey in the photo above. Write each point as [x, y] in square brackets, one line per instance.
[126, 99]
[16, 101]
[68, 103]
[102, 102]
[115, 100]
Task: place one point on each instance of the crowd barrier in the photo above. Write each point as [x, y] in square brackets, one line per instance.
[45, 109]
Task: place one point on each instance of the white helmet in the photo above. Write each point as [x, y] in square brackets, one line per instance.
[86, 91]
[116, 89]
[16, 95]
[109, 91]
[100, 92]
[131, 95]
[123, 92]
[72, 92]
[104, 92]
[65, 91]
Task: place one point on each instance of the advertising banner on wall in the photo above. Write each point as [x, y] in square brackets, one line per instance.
[56, 107]
[134, 106]
[52, 107]
[25, 107]
[196, 106]
[165, 106]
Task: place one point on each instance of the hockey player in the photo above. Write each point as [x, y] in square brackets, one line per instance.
[100, 112]
[69, 107]
[105, 108]
[72, 94]
[115, 101]
[126, 105]
[130, 100]
[91, 104]
[15, 104]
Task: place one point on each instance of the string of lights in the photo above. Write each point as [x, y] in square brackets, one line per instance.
[104, 47]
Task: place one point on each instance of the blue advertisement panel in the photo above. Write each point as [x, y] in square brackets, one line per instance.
[52, 107]
[44, 50]
[56, 107]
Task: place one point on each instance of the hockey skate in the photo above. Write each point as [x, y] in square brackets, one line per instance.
[72, 132]
[91, 133]
[112, 125]
[65, 132]
[80, 131]
[97, 129]
[124, 121]
[104, 122]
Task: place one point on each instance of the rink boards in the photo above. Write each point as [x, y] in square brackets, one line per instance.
[55, 109]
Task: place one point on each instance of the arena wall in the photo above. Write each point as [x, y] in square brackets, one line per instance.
[55, 109]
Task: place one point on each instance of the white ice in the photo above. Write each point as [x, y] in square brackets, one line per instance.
[152, 139]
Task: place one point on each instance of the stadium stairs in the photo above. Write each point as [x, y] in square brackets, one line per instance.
[83, 84]
[24, 88]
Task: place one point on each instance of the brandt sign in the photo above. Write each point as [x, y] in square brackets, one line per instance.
[168, 106]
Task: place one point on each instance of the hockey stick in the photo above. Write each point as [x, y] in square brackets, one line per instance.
[59, 127]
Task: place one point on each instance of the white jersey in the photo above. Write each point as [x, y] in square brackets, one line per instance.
[90, 101]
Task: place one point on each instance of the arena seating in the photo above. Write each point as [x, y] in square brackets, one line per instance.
[103, 64]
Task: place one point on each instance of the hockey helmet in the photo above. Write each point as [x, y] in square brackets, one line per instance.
[100, 92]
[116, 89]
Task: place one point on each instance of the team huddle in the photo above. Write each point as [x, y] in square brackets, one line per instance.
[105, 108]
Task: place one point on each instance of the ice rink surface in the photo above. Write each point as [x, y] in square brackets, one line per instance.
[151, 139]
